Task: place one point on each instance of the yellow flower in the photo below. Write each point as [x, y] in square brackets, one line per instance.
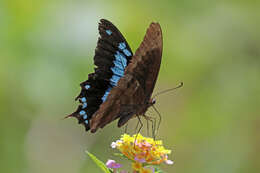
[146, 170]
[142, 151]
[137, 166]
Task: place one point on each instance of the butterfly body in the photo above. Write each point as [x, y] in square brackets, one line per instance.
[122, 84]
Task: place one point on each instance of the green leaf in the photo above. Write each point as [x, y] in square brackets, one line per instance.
[157, 170]
[119, 154]
[99, 163]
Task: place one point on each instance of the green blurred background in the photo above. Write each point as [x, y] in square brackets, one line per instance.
[212, 124]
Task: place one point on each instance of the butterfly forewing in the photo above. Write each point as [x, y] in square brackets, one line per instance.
[112, 55]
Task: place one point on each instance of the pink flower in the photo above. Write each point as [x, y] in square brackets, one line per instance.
[113, 145]
[139, 159]
[169, 162]
[146, 144]
[112, 164]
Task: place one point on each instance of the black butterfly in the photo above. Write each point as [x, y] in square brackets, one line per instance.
[122, 83]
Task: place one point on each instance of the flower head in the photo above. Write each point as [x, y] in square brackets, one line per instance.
[112, 164]
[142, 151]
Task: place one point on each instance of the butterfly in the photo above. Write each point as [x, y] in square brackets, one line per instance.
[123, 82]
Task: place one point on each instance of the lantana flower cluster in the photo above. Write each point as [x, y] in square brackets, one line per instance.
[142, 151]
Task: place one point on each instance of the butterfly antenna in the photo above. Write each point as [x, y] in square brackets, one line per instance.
[160, 119]
[168, 90]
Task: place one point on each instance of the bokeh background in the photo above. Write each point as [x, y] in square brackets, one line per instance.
[212, 124]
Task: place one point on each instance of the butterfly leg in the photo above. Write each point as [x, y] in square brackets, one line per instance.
[126, 128]
[153, 122]
[147, 127]
[160, 118]
[136, 126]
[149, 119]
[141, 123]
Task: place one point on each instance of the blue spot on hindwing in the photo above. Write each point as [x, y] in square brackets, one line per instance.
[83, 99]
[85, 117]
[127, 52]
[87, 86]
[122, 46]
[86, 121]
[109, 32]
[82, 112]
[84, 105]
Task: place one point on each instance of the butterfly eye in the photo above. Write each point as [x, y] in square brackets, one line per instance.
[153, 101]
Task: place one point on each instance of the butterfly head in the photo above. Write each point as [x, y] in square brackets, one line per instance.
[152, 101]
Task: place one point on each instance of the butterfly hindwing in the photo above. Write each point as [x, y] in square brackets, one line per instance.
[134, 89]
[146, 62]
[112, 55]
